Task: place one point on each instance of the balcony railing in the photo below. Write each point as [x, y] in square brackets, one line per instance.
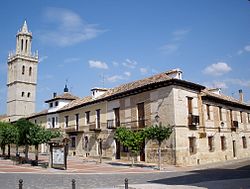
[193, 121]
[112, 124]
[72, 129]
[95, 127]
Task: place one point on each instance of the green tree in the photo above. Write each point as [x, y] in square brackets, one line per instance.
[23, 127]
[40, 135]
[158, 133]
[131, 139]
[8, 136]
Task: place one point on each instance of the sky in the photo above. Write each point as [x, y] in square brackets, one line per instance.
[96, 43]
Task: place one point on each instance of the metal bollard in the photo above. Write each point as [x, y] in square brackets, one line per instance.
[20, 184]
[73, 184]
[126, 183]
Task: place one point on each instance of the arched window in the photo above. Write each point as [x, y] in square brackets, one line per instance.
[26, 45]
[23, 70]
[22, 45]
[28, 95]
[30, 71]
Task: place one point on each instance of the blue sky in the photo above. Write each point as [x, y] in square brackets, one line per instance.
[88, 42]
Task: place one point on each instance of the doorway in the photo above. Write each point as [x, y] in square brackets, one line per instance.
[142, 152]
[234, 148]
[118, 150]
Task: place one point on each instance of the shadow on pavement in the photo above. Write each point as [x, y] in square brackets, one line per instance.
[200, 177]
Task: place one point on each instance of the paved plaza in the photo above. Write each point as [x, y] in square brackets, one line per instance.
[91, 174]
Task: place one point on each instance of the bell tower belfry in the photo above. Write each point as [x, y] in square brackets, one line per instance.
[22, 77]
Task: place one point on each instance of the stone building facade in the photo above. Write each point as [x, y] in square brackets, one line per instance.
[22, 77]
[207, 125]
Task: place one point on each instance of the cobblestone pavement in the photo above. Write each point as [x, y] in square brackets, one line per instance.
[89, 174]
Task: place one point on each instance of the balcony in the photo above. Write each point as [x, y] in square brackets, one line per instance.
[73, 129]
[234, 126]
[193, 121]
[112, 124]
[95, 127]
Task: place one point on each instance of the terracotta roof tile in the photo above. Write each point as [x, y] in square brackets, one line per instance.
[64, 96]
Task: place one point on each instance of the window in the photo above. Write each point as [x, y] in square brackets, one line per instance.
[223, 143]
[26, 45]
[53, 122]
[35, 121]
[141, 115]
[248, 115]
[117, 117]
[22, 94]
[51, 105]
[241, 117]
[190, 105]
[87, 117]
[85, 143]
[30, 71]
[77, 121]
[208, 111]
[66, 121]
[98, 118]
[23, 70]
[211, 143]
[56, 103]
[231, 116]
[28, 95]
[192, 145]
[22, 45]
[56, 120]
[73, 141]
[220, 113]
[244, 142]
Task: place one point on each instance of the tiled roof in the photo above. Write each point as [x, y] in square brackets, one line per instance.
[120, 89]
[64, 96]
[77, 102]
[43, 112]
[206, 92]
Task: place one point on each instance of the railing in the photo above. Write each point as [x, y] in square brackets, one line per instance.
[71, 129]
[95, 127]
[112, 124]
[193, 121]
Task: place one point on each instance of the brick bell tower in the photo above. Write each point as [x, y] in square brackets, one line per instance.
[22, 77]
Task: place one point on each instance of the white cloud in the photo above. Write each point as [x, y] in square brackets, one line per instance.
[128, 74]
[143, 71]
[169, 48]
[70, 28]
[42, 58]
[97, 64]
[129, 63]
[114, 78]
[180, 34]
[115, 63]
[247, 48]
[239, 82]
[70, 60]
[217, 69]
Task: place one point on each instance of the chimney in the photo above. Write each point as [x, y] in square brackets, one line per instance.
[54, 95]
[241, 95]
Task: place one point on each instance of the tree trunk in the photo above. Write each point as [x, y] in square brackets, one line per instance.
[26, 152]
[159, 156]
[8, 150]
[3, 150]
[36, 153]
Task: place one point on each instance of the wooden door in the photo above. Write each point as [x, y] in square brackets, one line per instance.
[118, 150]
[142, 152]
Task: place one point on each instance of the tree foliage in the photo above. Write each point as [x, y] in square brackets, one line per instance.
[8, 135]
[159, 133]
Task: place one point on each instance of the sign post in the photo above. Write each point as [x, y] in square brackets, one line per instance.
[58, 153]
